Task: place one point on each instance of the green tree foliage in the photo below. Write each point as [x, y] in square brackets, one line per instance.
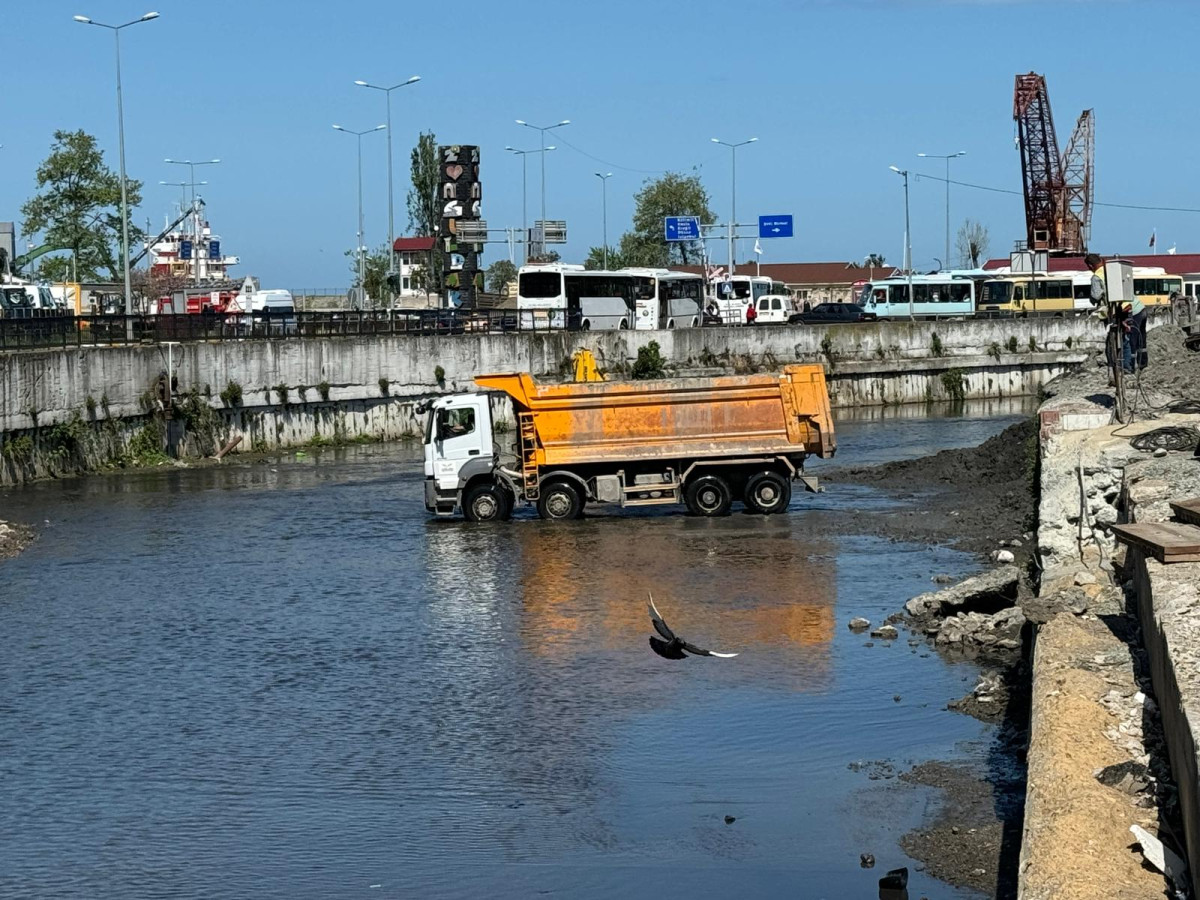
[499, 275]
[375, 271]
[672, 194]
[595, 259]
[78, 208]
[874, 261]
[425, 209]
[649, 362]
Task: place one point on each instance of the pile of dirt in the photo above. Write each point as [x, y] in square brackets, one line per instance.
[971, 498]
[1172, 369]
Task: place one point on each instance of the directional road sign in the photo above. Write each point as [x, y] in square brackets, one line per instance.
[774, 226]
[682, 228]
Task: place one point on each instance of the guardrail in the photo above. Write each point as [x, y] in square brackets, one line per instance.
[48, 331]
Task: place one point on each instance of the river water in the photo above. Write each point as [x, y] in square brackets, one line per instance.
[283, 679]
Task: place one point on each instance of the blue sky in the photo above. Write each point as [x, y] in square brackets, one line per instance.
[835, 90]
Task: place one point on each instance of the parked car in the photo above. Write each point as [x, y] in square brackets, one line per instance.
[828, 313]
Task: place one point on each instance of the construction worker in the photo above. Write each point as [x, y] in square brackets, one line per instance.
[1130, 318]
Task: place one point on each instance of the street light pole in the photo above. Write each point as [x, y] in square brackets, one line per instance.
[907, 241]
[391, 193]
[604, 199]
[195, 213]
[947, 158]
[116, 30]
[361, 248]
[525, 192]
[544, 148]
[733, 193]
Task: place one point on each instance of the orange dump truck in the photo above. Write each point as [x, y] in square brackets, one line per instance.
[705, 442]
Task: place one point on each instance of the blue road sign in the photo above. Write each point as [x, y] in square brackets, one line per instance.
[682, 228]
[185, 249]
[774, 226]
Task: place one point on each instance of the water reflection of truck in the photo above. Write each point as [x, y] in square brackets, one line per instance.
[704, 442]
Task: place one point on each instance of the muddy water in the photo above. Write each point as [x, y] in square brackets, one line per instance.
[283, 680]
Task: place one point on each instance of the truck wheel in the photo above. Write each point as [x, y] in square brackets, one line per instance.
[560, 500]
[708, 495]
[487, 502]
[768, 492]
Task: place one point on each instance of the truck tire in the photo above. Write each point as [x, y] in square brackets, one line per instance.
[487, 502]
[708, 495]
[768, 492]
[560, 500]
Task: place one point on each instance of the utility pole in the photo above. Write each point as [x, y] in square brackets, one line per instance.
[733, 194]
[604, 194]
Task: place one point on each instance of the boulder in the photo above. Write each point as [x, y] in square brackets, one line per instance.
[858, 623]
[999, 582]
[885, 632]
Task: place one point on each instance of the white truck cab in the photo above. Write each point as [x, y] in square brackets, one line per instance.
[459, 447]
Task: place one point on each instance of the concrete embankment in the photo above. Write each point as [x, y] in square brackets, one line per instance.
[61, 410]
[1115, 705]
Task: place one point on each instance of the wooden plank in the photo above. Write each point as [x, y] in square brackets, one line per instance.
[1168, 542]
[1187, 510]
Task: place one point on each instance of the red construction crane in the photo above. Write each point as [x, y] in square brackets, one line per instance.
[1058, 188]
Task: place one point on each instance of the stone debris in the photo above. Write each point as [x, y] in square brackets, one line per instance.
[858, 623]
[942, 579]
[995, 584]
[1001, 630]
[1002, 556]
[886, 632]
[1084, 577]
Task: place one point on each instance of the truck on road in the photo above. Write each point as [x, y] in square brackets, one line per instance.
[703, 442]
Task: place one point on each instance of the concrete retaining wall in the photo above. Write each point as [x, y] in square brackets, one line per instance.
[372, 382]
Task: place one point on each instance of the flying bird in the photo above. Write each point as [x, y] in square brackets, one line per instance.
[671, 646]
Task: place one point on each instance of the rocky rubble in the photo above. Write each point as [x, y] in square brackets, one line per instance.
[995, 587]
[13, 539]
[1001, 630]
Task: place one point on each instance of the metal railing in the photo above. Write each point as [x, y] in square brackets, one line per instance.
[50, 331]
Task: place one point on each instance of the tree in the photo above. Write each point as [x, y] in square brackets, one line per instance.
[424, 207]
[499, 275]
[375, 271]
[595, 259]
[972, 243]
[672, 194]
[78, 208]
[874, 261]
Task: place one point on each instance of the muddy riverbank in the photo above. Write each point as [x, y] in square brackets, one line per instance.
[14, 538]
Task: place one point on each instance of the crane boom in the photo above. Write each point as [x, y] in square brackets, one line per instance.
[1041, 166]
[1079, 175]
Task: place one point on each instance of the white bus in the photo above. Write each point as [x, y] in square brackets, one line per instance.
[939, 296]
[736, 292]
[568, 296]
[664, 299]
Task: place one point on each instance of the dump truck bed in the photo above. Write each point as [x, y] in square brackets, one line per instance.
[667, 419]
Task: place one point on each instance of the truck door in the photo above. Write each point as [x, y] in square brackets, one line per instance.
[462, 431]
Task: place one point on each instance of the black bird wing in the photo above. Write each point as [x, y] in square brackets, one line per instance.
[667, 649]
[699, 651]
[659, 623]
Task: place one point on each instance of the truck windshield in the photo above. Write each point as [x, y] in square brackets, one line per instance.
[540, 284]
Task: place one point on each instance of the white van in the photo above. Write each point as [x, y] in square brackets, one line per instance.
[773, 309]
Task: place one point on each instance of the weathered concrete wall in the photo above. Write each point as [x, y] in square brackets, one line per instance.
[54, 383]
[293, 392]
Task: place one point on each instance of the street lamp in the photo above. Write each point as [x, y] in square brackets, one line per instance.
[116, 30]
[183, 193]
[733, 192]
[907, 240]
[524, 192]
[362, 259]
[391, 216]
[195, 214]
[543, 131]
[947, 158]
[604, 195]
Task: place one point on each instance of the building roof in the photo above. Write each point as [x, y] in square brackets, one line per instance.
[808, 272]
[402, 244]
[1171, 263]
